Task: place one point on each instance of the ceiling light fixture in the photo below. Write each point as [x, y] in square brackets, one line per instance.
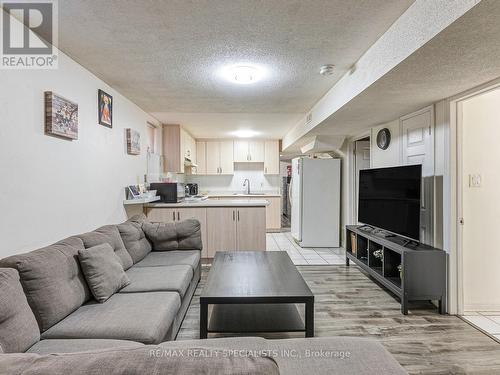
[327, 70]
[243, 74]
[245, 133]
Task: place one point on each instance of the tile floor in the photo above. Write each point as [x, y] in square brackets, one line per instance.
[488, 321]
[304, 256]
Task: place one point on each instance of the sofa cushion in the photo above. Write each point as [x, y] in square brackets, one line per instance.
[79, 345]
[142, 317]
[171, 258]
[180, 235]
[18, 327]
[108, 234]
[103, 271]
[157, 279]
[319, 356]
[141, 360]
[52, 280]
[134, 239]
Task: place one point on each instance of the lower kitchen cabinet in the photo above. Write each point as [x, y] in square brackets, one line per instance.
[273, 213]
[250, 228]
[221, 229]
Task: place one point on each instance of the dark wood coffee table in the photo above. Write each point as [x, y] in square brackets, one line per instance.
[255, 291]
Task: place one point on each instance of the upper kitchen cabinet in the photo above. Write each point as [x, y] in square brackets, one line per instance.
[201, 157]
[219, 157]
[248, 151]
[179, 149]
[272, 157]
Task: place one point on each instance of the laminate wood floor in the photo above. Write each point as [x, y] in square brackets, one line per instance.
[349, 303]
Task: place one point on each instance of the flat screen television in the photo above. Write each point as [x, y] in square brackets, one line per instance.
[389, 199]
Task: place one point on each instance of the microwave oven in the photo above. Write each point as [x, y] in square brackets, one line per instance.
[169, 192]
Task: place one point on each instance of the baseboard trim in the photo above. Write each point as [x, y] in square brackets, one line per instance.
[482, 307]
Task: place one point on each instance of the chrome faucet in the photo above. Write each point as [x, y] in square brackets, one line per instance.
[246, 183]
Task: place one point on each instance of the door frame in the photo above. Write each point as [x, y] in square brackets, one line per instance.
[351, 168]
[454, 233]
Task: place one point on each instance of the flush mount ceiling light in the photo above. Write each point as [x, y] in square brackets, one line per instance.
[327, 70]
[245, 133]
[243, 74]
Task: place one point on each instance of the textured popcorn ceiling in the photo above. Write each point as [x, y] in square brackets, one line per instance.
[164, 55]
[462, 56]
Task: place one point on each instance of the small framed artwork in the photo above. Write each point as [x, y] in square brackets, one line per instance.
[61, 116]
[133, 142]
[105, 104]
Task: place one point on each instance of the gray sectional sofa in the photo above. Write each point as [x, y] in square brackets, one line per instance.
[46, 307]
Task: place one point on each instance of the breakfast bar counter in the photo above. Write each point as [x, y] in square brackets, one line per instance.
[261, 202]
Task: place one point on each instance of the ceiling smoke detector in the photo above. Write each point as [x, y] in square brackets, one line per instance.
[327, 70]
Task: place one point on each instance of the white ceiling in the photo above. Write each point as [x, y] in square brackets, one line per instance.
[165, 55]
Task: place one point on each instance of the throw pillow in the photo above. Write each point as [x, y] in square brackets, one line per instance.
[103, 271]
[183, 235]
[136, 243]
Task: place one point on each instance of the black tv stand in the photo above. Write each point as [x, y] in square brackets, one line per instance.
[411, 273]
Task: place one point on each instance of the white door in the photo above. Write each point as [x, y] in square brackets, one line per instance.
[418, 148]
[296, 201]
[362, 161]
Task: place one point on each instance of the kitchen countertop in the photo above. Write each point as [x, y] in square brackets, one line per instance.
[213, 203]
[240, 194]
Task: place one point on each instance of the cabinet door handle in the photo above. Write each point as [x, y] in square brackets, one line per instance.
[173, 215]
[178, 216]
[238, 215]
[233, 216]
[220, 170]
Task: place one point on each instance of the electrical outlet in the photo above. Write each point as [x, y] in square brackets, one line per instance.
[475, 180]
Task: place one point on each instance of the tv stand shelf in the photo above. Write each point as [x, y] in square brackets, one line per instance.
[410, 270]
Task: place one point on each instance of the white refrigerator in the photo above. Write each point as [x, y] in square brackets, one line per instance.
[315, 198]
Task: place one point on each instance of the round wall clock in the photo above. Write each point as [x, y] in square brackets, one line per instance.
[384, 138]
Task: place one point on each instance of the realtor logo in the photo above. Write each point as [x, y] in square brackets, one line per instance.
[29, 34]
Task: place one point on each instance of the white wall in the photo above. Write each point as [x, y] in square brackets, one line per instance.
[53, 188]
[392, 155]
[253, 171]
[481, 205]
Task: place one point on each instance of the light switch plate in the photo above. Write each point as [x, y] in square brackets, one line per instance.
[475, 180]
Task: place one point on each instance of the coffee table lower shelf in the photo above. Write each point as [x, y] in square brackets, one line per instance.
[255, 318]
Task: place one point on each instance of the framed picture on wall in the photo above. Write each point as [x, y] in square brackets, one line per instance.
[105, 105]
[61, 116]
[133, 142]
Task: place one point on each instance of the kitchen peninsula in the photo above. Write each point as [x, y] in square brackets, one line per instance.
[226, 225]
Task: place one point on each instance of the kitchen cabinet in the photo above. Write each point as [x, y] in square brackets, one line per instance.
[219, 157]
[236, 229]
[221, 229]
[248, 151]
[271, 157]
[250, 229]
[201, 158]
[178, 145]
[273, 210]
[273, 213]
